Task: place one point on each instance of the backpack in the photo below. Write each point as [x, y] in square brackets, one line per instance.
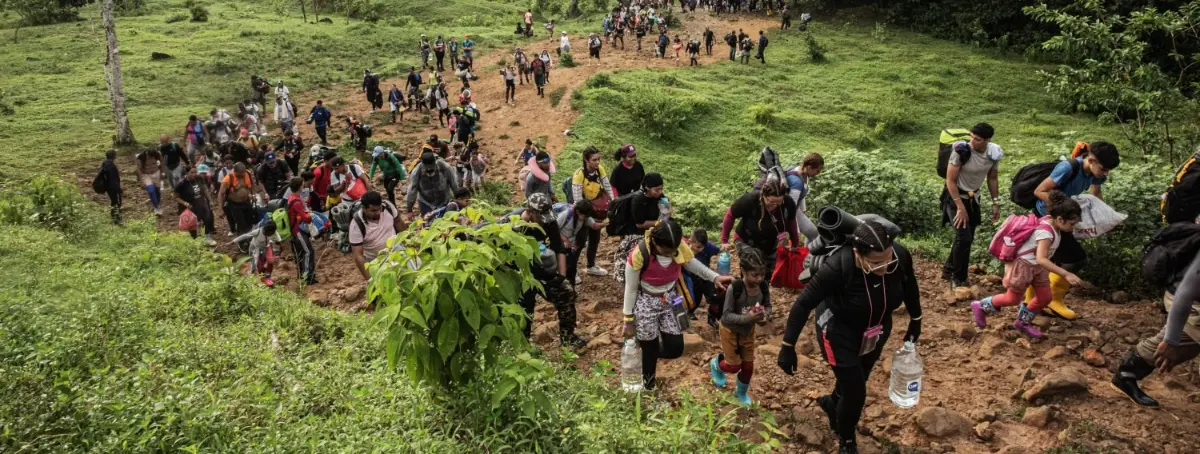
[282, 224]
[1013, 234]
[620, 215]
[568, 192]
[737, 287]
[946, 145]
[1026, 181]
[1182, 202]
[100, 183]
[768, 159]
[367, 131]
[1169, 253]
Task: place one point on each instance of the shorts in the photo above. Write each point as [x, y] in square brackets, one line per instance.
[510, 82]
[1019, 275]
[653, 316]
[737, 347]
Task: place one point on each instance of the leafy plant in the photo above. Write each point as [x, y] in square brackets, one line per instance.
[861, 182]
[44, 201]
[567, 61]
[556, 96]
[179, 17]
[199, 13]
[816, 52]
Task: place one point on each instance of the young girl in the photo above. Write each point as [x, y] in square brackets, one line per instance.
[1032, 268]
[262, 256]
[747, 302]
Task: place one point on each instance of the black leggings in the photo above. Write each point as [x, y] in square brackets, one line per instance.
[671, 348]
[850, 393]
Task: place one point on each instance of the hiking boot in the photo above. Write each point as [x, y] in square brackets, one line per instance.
[828, 404]
[847, 447]
[573, 341]
[1024, 323]
[714, 369]
[597, 271]
[742, 393]
[578, 280]
[980, 310]
[1132, 369]
[158, 211]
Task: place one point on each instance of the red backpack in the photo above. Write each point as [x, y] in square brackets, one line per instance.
[1013, 234]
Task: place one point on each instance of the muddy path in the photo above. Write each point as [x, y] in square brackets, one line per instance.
[971, 372]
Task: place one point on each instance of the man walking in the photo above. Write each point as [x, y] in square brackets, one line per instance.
[732, 41]
[109, 179]
[371, 228]
[762, 47]
[392, 169]
[971, 164]
[708, 41]
[302, 248]
[319, 117]
[174, 159]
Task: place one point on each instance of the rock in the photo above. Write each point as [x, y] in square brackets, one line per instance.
[805, 348]
[160, 56]
[1055, 353]
[1194, 398]
[1074, 344]
[811, 435]
[1042, 322]
[601, 341]
[545, 334]
[1061, 382]
[961, 294]
[875, 412]
[592, 307]
[984, 415]
[1119, 297]
[946, 333]
[966, 331]
[1173, 384]
[976, 292]
[991, 346]
[1013, 450]
[1020, 378]
[1093, 357]
[1107, 350]
[769, 353]
[1037, 416]
[1024, 343]
[940, 422]
[692, 343]
[983, 431]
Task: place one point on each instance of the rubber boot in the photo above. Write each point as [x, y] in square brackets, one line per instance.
[828, 404]
[718, 375]
[1132, 369]
[1057, 307]
[980, 310]
[741, 393]
[1024, 323]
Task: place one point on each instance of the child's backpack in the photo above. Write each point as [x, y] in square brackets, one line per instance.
[1169, 253]
[946, 145]
[1182, 202]
[1013, 234]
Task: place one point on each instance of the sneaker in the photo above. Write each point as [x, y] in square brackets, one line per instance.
[208, 241]
[597, 271]
[979, 314]
[158, 211]
[574, 341]
[268, 282]
[1027, 329]
[578, 280]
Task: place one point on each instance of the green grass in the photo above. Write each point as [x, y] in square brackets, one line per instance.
[556, 96]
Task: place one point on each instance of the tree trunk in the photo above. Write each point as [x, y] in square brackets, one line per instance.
[303, 12]
[112, 74]
[573, 11]
[316, 11]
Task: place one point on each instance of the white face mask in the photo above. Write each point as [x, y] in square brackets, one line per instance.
[663, 260]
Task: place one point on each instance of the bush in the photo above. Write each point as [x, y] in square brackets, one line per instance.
[567, 61]
[179, 17]
[816, 52]
[199, 13]
[45, 202]
[861, 182]
[762, 114]
[556, 96]
[664, 112]
[495, 195]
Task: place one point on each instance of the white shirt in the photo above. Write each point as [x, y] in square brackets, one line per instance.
[1040, 234]
[564, 41]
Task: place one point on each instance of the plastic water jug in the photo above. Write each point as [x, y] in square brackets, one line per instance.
[724, 262]
[905, 384]
[631, 366]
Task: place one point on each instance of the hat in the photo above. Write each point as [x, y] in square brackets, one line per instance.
[543, 157]
[428, 159]
[564, 32]
[628, 149]
[378, 151]
[314, 151]
[539, 204]
[203, 169]
[270, 156]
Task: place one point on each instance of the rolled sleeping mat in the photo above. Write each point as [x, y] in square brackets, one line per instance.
[892, 229]
[833, 225]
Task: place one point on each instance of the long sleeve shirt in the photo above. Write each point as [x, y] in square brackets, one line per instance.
[1186, 294]
[635, 284]
[735, 315]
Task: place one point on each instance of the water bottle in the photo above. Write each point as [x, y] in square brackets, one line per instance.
[723, 263]
[905, 384]
[631, 367]
[664, 208]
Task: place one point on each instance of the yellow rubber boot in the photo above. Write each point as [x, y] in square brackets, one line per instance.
[1058, 289]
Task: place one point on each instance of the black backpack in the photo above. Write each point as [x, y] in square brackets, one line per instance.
[1182, 203]
[100, 183]
[1026, 181]
[946, 146]
[1169, 253]
[620, 215]
[567, 192]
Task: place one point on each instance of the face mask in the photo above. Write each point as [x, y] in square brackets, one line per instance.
[663, 260]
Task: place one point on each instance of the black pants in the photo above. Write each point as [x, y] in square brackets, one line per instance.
[321, 134]
[510, 90]
[389, 185]
[959, 261]
[293, 163]
[666, 346]
[440, 56]
[732, 50]
[592, 239]
[760, 56]
[1070, 254]
[708, 48]
[114, 205]
[558, 292]
[850, 389]
[305, 257]
[242, 217]
[205, 216]
[787, 23]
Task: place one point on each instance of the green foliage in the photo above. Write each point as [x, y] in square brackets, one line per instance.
[496, 195]
[861, 182]
[665, 112]
[199, 13]
[816, 52]
[567, 61]
[44, 201]
[448, 295]
[179, 17]
[880, 33]
[556, 96]
[43, 12]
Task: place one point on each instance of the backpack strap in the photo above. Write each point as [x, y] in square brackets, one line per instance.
[644, 249]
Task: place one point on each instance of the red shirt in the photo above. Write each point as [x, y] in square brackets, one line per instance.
[297, 213]
[321, 184]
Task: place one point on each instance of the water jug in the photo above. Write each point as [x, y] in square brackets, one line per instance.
[905, 384]
[631, 366]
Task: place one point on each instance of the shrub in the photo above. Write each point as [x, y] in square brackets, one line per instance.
[45, 202]
[762, 114]
[599, 80]
[664, 112]
[556, 96]
[494, 194]
[178, 17]
[816, 52]
[861, 182]
[199, 13]
[567, 61]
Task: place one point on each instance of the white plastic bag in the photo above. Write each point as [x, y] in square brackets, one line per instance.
[1098, 218]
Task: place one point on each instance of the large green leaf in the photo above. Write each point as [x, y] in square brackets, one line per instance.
[445, 304]
[411, 313]
[466, 303]
[506, 386]
[447, 337]
[485, 334]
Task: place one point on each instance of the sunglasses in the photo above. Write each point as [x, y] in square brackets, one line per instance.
[872, 267]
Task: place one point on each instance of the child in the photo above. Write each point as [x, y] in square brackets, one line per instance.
[747, 302]
[703, 290]
[262, 256]
[1032, 268]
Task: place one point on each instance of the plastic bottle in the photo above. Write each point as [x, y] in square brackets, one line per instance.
[631, 367]
[664, 208]
[723, 263]
[907, 368]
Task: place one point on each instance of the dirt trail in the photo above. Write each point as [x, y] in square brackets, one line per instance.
[968, 371]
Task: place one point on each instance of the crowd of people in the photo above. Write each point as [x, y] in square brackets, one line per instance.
[269, 198]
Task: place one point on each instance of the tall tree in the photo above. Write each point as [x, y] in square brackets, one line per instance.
[112, 74]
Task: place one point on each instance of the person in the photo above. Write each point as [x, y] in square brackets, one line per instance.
[282, 91]
[509, 73]
[747, 303]
[1032, 267]
[528, 23]
[537, 211]
[677, 46]
[1177, 342]
[594, 46]
[234, 197]
[423, 49]
[575, 224]
[704, 251]
[693, 51]
[522, 62]
[191, 193]
[606, 25]
[525, 162]
[537, 181]
[639, 31]
[302, 248]
[322, 179]
[370, 86]
[619, 33]
[464, 126]
[248, 126]
[732, 41]
[376, 223]
[1094, 162]
[591, 183]
[785, 18]
[236, 150]
[319, 117]
[284, 116]
[709, 36]
[661, 49]
[262, 253]
[797, 183]
[462, 200]
[196, 138]
[651, 272]
[359, 132]
[627, 175]
[439, 52]
[291, 146]
[431, 184]
[350, 179]
[261, 87]
[965, 175]
[217, 128]
[150, 176]
[538, 67]
[392, 169]
[762, 216]
[111, 177]
[412, 84]
[273, 176]
[564, 45]
[747, 46]
[175, 160]
[762, 47]
[468, 48]
[547, 63]
[854, 293]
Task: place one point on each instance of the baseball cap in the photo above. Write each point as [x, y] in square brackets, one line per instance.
[378, 151]
[270, 156]
[428, 159]
[543, 157]
[539, 204]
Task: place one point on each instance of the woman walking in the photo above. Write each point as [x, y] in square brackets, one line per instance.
[627, 175]
[591, 183]
[763, 217]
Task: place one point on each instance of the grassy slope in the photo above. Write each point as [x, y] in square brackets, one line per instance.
[54, 76]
